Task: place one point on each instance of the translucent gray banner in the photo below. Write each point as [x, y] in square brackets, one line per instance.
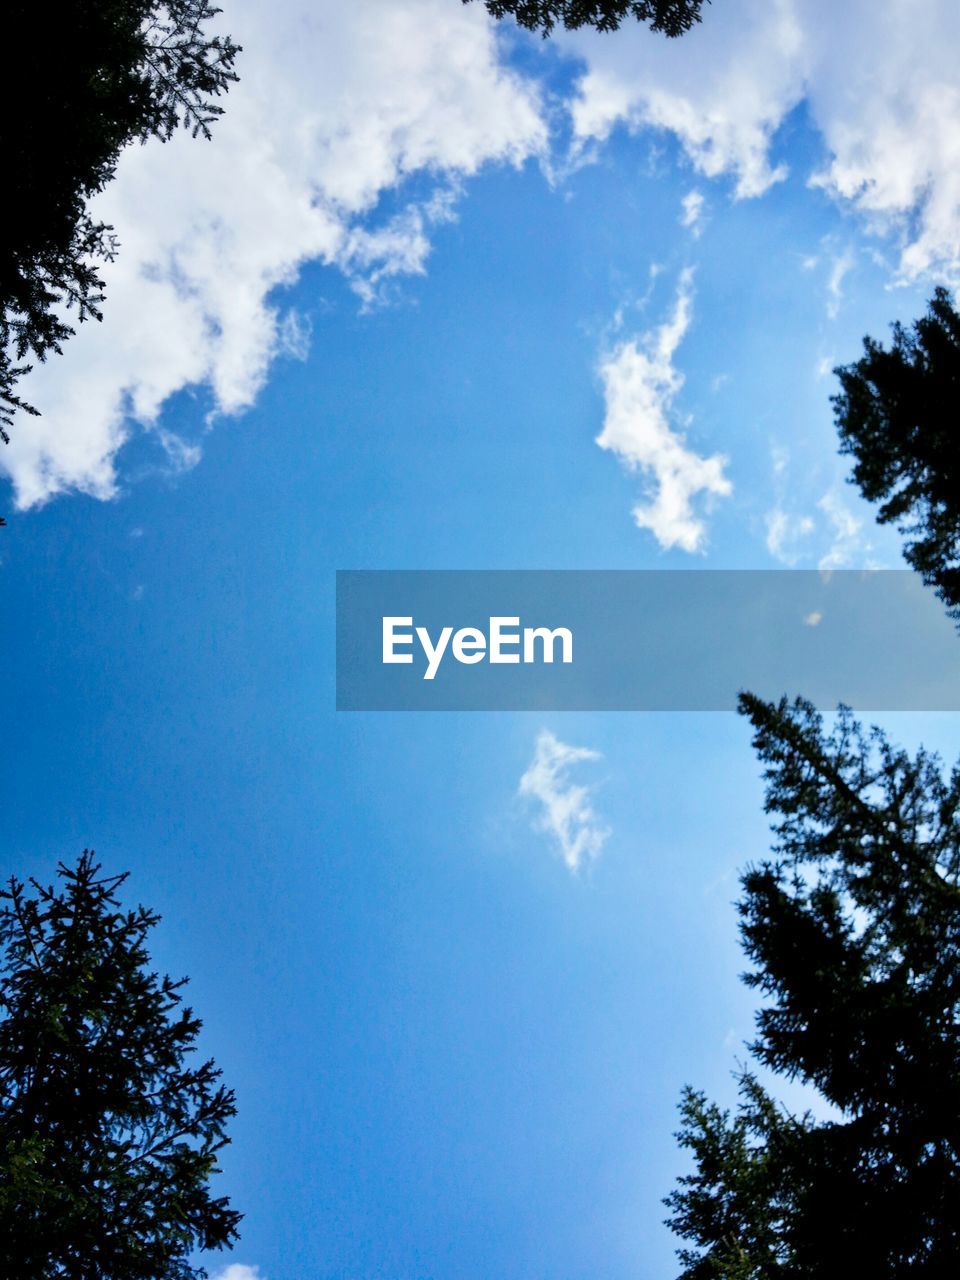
[616, 640]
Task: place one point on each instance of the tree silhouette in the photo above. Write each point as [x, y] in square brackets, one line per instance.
[671, 17]
[108, 1135]
[897, 414]
[80, 80]
[853, 925]
[853, 929]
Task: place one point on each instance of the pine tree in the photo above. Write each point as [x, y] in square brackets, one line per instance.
[79, 81]
[109, 1134]
[853, 929]
[670, 17]
[898, 414]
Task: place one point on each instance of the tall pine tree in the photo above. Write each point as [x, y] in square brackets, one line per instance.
[853, 924]
[79, 81]
[670, 17]
[853, 931]
[109, 1129]
[898, 415]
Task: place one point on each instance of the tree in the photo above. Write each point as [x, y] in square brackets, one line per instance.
[671, 17]
[853, 928]
[83, 78]
[108, 1136]
[897, 414]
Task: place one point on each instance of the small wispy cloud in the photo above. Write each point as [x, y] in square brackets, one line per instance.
[293, 335]
[832, 530]
[640, 385]
[786, 533]
[691, 212]
[840, 267]
[786, 530]
[181, 454]
[847, 547]
[239, 1271]
[566, 808]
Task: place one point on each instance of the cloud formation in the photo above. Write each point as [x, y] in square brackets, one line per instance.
[892, 136]
[337, 104]
[566, 811]
[722, 89]
[238, 1271]
[691, 212]
[786, 534]
[836, 531]
[342, 105]
[640, 384]
[848, 548]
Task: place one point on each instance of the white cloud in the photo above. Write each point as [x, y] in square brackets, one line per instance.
[888, 102]
[337, 104]
[795, 539]
[567, 812]
[340, 104]
[293, 335]
[238, 1271]
[691, 212]
[878, 81]
[813, 619]
[847, 548]
[722, 89]
[840, 267]
[786, 534]
[640, 384]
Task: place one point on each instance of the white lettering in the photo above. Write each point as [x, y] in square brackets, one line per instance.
[391, 639]
[469, 645]
[434, 652]
[499, 638]
[532, 634]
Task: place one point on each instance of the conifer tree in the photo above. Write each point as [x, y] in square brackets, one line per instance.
[898, 415]
[109, 1129]
[852, 927]
[670, 17]
[79, 81]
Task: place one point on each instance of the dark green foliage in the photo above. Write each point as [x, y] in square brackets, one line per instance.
[853, 931]
[731, 1206]
[79, 80]
[108, 1136]
[671, 17]
[898, 414]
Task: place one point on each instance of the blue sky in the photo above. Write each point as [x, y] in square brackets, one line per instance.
[380, 322]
